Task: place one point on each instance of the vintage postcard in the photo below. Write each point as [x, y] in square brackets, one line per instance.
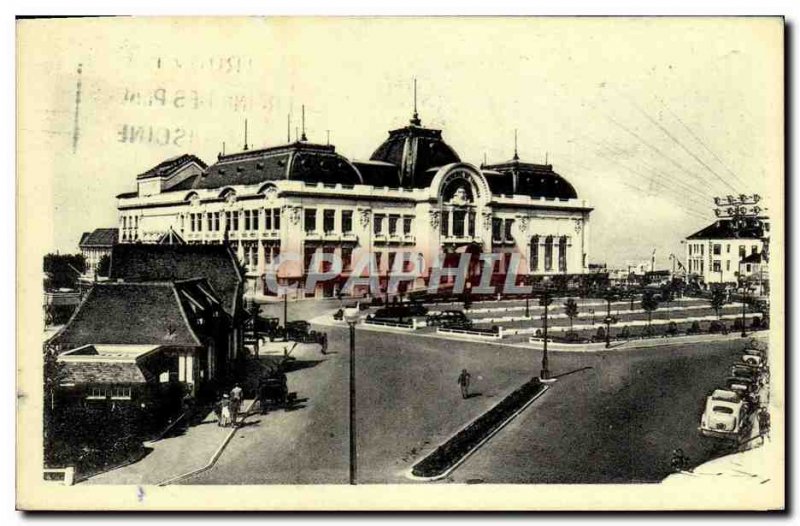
[400, 263]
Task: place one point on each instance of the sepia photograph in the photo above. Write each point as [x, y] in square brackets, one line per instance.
[412, 263]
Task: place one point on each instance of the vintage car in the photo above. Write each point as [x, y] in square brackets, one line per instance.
[450, 319]
[400, 311]
[745, 387]
[756, 352]
[756, 362]
[743, 370]
[726, 416]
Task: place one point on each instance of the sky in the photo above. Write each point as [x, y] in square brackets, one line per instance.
[648, 118]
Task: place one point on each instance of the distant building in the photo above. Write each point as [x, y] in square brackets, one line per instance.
[414, 197]
[96, 244]
[714, 253]
[754, 269]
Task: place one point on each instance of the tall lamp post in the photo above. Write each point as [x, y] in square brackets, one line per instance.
[351, 316]
[544, 301]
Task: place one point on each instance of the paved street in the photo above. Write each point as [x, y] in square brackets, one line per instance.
[615, 422]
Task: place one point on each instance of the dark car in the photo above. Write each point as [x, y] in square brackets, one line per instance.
[450, 319]
[404, 311]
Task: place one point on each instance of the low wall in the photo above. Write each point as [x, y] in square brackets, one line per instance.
[394, 325]
[466, 333]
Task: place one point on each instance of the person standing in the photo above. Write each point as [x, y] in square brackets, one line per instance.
[463, 382]
[225, 411]
[236, 402]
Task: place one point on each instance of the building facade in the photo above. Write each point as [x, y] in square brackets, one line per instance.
[96, 244]
[411, 201]
[714, 253]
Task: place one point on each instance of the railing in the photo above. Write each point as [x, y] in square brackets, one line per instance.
[478, 333]
[397, 325]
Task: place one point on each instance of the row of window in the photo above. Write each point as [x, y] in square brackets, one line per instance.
[457, 223]
[536, 241]
[130, 228]
[251, 254]
[501, 229]
[392, 224]
[115, 392]
[249, 220]
[328, 220]
[698, 249]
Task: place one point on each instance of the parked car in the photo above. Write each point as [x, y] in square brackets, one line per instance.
[449, 318]
[745, 387]
[726, 416]
[741, 370]
[756, 352]
[756, 362]
[401, 311]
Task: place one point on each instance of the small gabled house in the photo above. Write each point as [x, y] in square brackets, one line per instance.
[216, 264]
[96, 244]
[143, 343]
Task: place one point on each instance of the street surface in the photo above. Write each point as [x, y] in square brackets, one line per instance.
[614, 417]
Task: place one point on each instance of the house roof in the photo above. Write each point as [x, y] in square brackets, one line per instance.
[152, 313]
[99, 238]
[217, 264]
[105, 364]
[171, 165]
[414, 151]
[298, 161]
[725, 229]
[102, 373]
[535, 180]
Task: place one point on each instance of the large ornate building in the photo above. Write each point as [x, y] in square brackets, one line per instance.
[414, 195]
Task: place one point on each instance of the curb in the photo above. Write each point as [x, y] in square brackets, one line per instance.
[214, 457]
[410, 475]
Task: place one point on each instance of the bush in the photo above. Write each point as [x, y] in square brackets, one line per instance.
[572, 337]
[601, 334]
[756, 323]
[695, 328]
[672, 329]
[625, 333]
[717, 327]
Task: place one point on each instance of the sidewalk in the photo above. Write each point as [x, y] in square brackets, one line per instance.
[183, 450]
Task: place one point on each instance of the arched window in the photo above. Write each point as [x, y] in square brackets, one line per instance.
[548, 253]
[562, 254]
[534, 259]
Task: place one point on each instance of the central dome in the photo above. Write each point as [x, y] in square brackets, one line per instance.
[416, 152]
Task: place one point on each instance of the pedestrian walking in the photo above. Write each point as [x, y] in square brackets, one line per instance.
[324, 343]
[463, 382]
[236, 402]
[225, 411]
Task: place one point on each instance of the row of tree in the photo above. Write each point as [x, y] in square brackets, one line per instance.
[650, 302]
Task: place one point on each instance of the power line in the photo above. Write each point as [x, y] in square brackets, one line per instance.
[667, 187]
[680, 204]
[703, 144]
[676, 141]
[703, 198]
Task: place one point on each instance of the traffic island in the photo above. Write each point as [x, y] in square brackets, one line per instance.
[449, 455]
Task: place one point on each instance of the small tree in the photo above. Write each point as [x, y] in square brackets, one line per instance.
[104, 266]
[571, 310]
[717, 300]
[649, 304]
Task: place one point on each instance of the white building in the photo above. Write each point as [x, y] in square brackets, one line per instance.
[414, 196]
[714, 253]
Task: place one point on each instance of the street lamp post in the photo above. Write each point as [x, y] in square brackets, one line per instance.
[351, 317]
[608, 322]
[744, 308]
[545, 373]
